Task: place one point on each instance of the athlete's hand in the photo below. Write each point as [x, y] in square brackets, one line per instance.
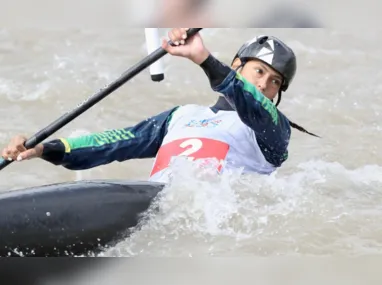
[191, 48]
[17, 151]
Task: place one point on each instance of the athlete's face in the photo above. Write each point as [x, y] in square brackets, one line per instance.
[262, 76]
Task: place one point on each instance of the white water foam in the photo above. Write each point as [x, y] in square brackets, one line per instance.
[235, 214]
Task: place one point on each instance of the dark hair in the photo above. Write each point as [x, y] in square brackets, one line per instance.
[294, 125]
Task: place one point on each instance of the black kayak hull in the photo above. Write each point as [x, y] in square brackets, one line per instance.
[73, 218]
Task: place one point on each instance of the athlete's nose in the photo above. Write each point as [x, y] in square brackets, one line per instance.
[262, 84]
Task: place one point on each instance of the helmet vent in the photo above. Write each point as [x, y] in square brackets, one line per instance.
[263, 40]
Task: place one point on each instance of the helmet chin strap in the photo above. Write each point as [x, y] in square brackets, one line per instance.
[279, 98]
[280, 92]
[240, 66]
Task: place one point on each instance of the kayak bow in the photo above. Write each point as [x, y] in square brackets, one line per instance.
[72, 218]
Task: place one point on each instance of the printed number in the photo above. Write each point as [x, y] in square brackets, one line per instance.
[195, 144]
[192, 149]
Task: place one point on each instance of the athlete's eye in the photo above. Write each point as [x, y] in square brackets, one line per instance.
[276, 82]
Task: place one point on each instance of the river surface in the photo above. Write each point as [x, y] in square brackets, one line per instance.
[326, 200]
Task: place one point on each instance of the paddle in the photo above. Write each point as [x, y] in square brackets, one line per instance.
[92, 100]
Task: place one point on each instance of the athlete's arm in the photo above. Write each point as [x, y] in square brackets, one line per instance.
[140, 141]
[271, 127]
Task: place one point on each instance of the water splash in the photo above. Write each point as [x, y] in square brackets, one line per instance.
[323, 208]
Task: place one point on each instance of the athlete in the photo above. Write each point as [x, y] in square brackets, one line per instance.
[244, 129]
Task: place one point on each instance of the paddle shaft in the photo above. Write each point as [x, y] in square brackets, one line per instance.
[94, 99]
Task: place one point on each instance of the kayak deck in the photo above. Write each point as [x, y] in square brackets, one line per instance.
[73, 218]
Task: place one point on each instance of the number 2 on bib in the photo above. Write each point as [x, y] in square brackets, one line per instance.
[193, 145]
[193, 148]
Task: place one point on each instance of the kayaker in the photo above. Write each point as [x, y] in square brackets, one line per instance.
[244, 128]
